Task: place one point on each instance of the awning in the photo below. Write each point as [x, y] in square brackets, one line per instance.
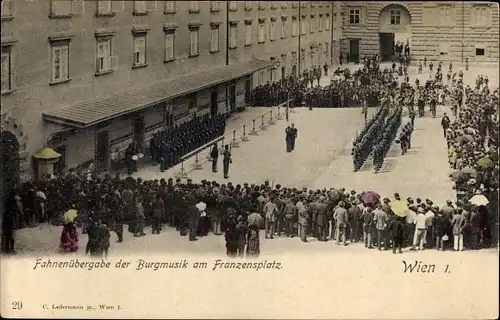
[93, 111]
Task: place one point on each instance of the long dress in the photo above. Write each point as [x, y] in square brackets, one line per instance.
[253, 242]
[69, 238]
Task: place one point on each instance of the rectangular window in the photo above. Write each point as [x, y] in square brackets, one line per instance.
[272, 31]
[395, 17]
[232, 36]
[248, 34]
[262, 32]
[193, 43]
[445, 16]
[103, 55]
[354, 16]
[283, 29]
[6, 68]
[60, 61]
[481, 16]
[170, 46]
[327, 23]
[61, 8]
[248, 5]
[214, 6]
[139, 50]
[443, 48]
[170, 6]
[6, 9]
[233, 5]
[262, 5]
[194, 6]
[104, 7]
[303, 26]
[295, 28]
[479, 51]
[320, 23]
[214, 39]
[140, 7]
[262, 79]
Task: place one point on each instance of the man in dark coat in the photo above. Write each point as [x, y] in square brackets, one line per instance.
[396, 228]
[129, 153]
[193, 219]
[294, 134]
[10, 223]
[226, 161]
[214, 154]
[445, 123]
[288, 138]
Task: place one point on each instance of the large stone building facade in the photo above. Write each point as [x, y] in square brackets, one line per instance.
[89, 77]
[445, 30]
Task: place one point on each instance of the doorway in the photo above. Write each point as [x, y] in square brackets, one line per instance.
[232, 98]
[386, 41]
[283, 73]
[10, 164]
[294, 71]
[102, 151]
[60, 165]
[139, 129]
[353, 50]
[248, 91]
[213, 103]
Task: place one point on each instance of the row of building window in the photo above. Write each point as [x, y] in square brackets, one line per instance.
[480, 16]
[65, 8]
[106, 62]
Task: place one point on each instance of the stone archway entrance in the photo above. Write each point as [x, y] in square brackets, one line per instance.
[394, 29]
[10, 167]
[294, 71]
[13, 158]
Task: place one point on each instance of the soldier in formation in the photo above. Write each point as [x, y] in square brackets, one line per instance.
[168, 147]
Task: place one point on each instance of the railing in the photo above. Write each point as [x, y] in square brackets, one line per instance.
[233, 138]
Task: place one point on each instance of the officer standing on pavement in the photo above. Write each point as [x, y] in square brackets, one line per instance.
[226, 161]
[214, 154]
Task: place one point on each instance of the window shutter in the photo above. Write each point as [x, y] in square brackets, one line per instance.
[77, 6]
[117, 6]
[194, 43]
[64, 63]
[102, 6]
[151, 6]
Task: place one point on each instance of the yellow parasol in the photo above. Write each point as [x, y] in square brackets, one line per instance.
[70, 215]
[399, 207]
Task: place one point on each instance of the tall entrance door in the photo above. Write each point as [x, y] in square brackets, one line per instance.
[386, 41]
[139, 131]
[248, 91]
[10, 166]
[294, 71]
[213, 103]
[353, 49]
[232, 98]
[283, 73]
[60, 165]
[102, 151]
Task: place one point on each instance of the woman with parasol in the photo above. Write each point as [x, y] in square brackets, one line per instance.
[69, 234]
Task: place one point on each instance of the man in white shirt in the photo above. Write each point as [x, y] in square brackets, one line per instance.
[420, 229]
[429, 223]
[409, 226]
